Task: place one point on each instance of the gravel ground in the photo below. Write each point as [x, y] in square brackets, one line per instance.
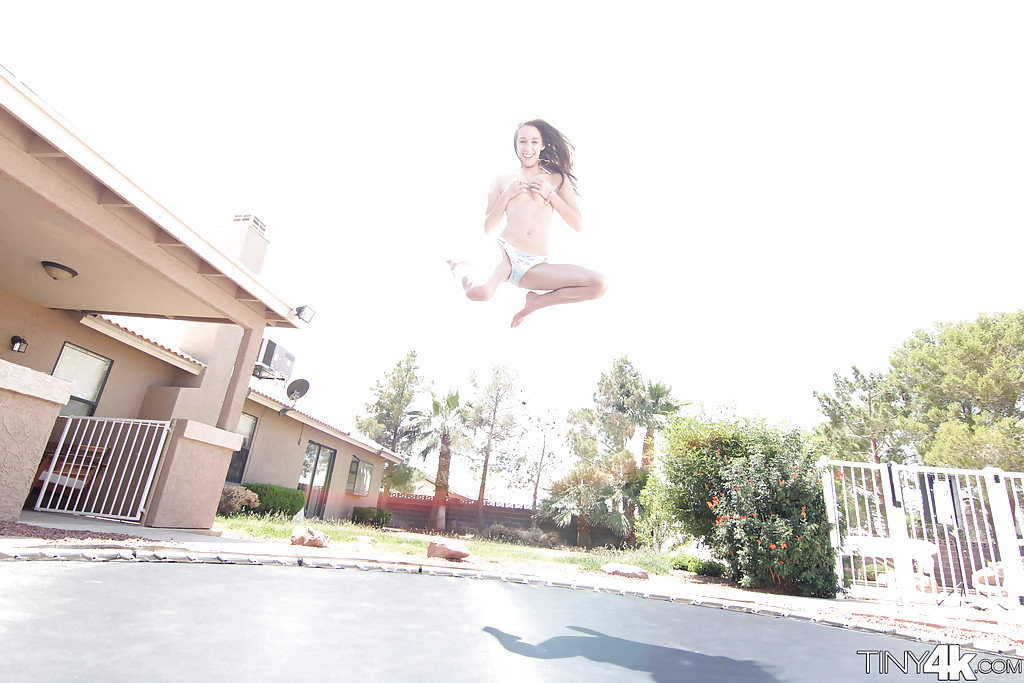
[67, 536]
[989, 628]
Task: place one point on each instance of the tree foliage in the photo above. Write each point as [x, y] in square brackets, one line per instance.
[864, 418]
[654, 407]
[657, 526]
[392, 422]
[963, 386]
[952, 397]
[493, 421]
[618, 400]
[590, 494]
[753, 494]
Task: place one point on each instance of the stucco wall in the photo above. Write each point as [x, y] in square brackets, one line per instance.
[339, 501]
[191, 476]
[277, 449]
[29, 402]
[46, 331]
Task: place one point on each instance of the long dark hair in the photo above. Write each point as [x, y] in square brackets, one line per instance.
[557, 155]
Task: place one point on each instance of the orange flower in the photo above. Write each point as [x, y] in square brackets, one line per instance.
[783, 545]
[772, 546]
[781, 562]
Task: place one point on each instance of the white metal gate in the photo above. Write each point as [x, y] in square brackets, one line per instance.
[101, 467]
[930, 533]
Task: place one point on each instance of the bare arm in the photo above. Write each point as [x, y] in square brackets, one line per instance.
[563, 200]
[498, 199]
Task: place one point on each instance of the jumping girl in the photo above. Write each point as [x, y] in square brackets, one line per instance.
[528, 200]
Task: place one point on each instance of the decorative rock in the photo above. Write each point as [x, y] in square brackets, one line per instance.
[304, 535]
[626, 570]
[447, 549]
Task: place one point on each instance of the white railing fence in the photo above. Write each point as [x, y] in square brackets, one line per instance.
[929, 533]
[101, 467]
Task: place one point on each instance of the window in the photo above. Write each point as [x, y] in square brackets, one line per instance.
[359, 475]
[247, 428]
[315, 479]
[87, 372]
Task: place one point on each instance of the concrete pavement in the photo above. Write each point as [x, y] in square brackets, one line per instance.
[993, 630]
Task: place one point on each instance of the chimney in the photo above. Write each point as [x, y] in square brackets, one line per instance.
[246, 240]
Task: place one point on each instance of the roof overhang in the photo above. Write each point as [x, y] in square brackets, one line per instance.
[140, 343]
[290, 413]
[61, 201]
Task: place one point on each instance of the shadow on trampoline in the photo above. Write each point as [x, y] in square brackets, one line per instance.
[663, 663]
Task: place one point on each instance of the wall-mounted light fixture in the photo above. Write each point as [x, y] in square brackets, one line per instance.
[19, 344]
[59, 271]
[305, 313]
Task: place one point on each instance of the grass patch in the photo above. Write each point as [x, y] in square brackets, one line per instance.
[279, 526]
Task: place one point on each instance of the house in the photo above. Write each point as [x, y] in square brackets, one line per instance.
[338, 470]
[427, 486]
[97, 419]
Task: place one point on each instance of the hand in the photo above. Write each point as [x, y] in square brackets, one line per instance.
[515, 188]
[543, 188]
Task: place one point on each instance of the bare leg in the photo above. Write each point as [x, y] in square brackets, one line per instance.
[481, 291]
[566, 284]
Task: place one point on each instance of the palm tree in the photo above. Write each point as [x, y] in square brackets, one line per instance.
[584, 494]
[440, 429]
[625, 483]
[654, 407]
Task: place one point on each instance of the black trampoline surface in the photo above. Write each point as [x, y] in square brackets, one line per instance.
[129, 621]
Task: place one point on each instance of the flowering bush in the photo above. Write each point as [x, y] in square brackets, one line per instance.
[753, 495]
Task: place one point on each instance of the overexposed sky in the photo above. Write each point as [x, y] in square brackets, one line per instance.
[776, 190]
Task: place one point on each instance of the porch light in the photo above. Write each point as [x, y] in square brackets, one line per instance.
[59, 271]
[19, 344]
[305, 313]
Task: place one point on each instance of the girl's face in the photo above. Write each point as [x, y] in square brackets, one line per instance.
[529, 143]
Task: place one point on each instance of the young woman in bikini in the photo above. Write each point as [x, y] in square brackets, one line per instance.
[528, 200]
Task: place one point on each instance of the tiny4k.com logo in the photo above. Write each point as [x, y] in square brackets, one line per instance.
[945, 661]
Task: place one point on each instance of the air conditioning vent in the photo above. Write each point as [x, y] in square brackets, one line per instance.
[274, 362]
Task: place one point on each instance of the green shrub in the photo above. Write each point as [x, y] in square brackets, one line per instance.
[535, 538]
[278, 499]
[697, 565]
[234, 498]
[753, 495]
[375, 516]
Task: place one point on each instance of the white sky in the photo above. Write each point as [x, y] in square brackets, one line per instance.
[776, 190]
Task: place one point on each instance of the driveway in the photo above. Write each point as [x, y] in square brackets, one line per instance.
[154, 621]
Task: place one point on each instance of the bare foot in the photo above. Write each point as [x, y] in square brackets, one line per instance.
[530, 307]
[454, 265]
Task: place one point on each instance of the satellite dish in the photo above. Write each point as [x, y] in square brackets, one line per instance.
[297, 389]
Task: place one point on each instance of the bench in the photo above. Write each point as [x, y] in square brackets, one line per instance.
[916, 554]
[74, 470]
